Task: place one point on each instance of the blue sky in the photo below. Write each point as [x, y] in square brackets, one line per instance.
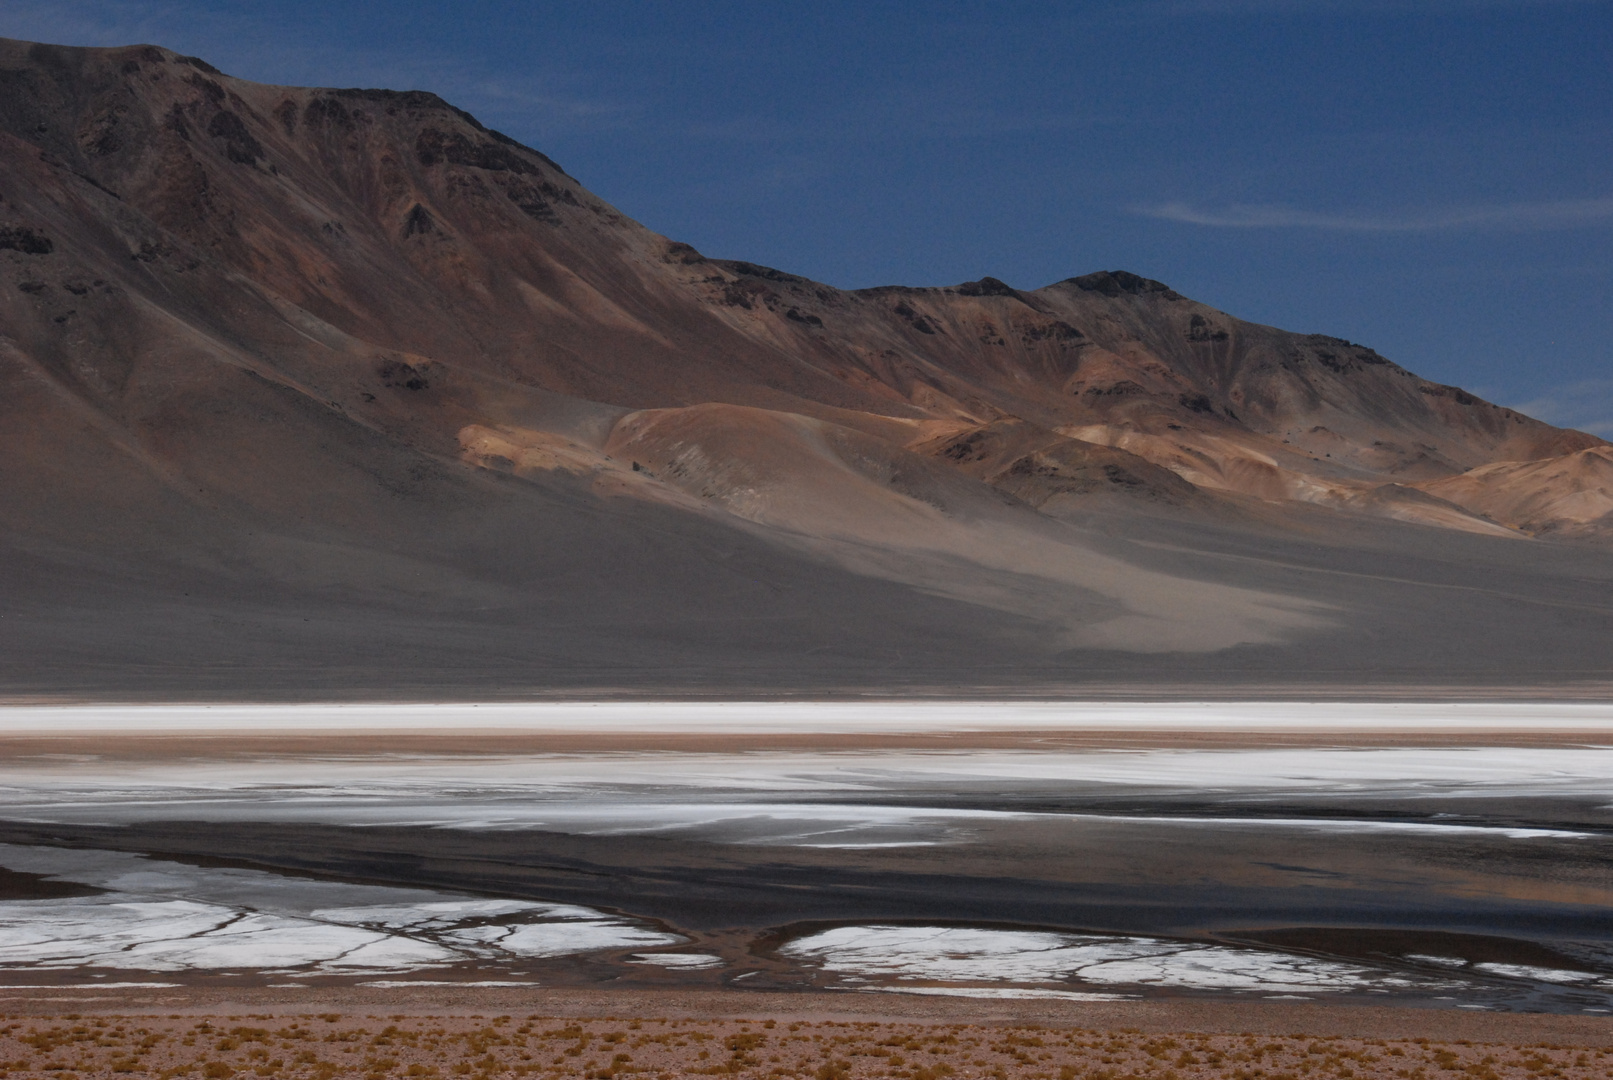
[1430, 177]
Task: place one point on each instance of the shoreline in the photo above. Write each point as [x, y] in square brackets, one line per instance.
[802, 722]
[1597, 690]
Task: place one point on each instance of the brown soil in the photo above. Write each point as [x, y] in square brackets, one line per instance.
[794, 1037]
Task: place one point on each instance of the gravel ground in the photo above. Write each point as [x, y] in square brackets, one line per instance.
[284, 1046]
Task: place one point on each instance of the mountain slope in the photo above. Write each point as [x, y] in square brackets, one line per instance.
[350, 353]
[1572, 492]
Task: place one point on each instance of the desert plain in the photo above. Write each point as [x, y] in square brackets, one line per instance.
[794, 1044]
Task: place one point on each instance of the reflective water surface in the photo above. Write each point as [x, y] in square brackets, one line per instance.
[1450, 874]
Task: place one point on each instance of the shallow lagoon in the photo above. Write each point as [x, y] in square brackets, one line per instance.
[1454, 856]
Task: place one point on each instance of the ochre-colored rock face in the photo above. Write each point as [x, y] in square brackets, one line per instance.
[235, 310]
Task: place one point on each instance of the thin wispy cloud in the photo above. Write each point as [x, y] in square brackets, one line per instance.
[560, 105]
[1535, 216]
[1586, 405]
[884, 123]
[1305, 7]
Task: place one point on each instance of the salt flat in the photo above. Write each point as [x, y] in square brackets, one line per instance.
[1456, 855]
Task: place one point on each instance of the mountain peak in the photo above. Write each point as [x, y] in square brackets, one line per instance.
[1122, 283]
[988, 286]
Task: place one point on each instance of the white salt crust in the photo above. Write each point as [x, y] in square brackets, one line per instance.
[970, 955]
[163, 917]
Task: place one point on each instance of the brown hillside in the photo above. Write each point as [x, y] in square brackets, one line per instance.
[357, 383]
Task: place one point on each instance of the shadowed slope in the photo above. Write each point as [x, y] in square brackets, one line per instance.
[881, 511]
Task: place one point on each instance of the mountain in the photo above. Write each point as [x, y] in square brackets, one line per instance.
[318, 391]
